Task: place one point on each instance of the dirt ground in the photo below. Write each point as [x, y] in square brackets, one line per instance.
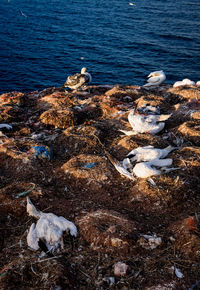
[114, 215]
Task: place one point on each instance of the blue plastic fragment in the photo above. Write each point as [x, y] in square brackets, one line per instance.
[194, 286]
[89, 165]
[42, 152]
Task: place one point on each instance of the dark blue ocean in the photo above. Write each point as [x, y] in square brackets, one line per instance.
[42, 42]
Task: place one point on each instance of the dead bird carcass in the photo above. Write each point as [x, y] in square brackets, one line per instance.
[48, 229]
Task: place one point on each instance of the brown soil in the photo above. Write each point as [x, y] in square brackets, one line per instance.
[111, 212]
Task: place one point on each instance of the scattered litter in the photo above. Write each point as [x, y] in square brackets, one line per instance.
[194, 285]
[177, 272]
[90, 165]
[42, 152]
[151, 181]
[109, 280]
[9, 127]
[120, 269]
[48, 231]
[150, 242]
[27, 190]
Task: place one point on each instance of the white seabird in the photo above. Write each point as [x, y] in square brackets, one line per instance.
[149, 153]
[145, 124]
[155, 79]
[148, 158]
[78, 80]
[184, 82]
[49, 228]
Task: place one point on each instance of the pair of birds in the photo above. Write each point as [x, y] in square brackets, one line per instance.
[80, 80]
[142, 162]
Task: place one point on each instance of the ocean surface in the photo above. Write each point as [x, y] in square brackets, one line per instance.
[42, 42]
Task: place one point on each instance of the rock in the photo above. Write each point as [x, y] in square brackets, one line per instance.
[120, 269]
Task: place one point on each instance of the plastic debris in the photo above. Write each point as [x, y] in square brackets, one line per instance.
[89, 165]
[42, 152]
[9, 127]
[177, 272]
[48, 231]
[120, 269]
[27, 190]
[194, 285]
[150, 241]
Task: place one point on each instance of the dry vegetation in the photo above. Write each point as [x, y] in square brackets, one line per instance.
[111, 212]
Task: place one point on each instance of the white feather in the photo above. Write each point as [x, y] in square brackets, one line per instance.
[144, 170]
[32, 238]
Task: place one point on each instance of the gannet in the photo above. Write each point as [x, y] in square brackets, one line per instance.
[78, 80]
[185, 82]
[155, 78]
[149, 153]
[49, 228]
[148, 158]
[145, 124]
[198, 84]
[147, 169]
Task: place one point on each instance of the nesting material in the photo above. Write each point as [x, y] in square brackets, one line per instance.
[120, 269]
[48, 229]
[59, 118]
[106, 231]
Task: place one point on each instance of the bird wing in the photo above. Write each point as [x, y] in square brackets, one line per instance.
[154, 80]
[161, 162]
[134, 119]
[77, 79]
[32, 238]
[163, 117]
[144, 170]
[156, 128]
[64, 225]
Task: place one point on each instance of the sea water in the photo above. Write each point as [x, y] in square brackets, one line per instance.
[44, 41]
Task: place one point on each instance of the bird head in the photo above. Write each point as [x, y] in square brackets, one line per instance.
[83, 70]
[31, 209]
[155, 73]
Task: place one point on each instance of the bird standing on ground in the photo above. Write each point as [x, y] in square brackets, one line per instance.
[155, 79]
[48, 229]
[78, 80]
